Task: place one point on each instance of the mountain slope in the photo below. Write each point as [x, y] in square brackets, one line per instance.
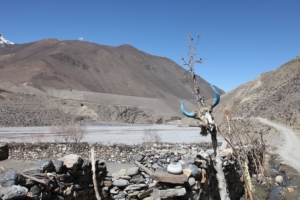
[80, 65]
[87, 82]
[274, 95]
[4, 42]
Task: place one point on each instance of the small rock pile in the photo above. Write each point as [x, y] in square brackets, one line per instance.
[153, 177]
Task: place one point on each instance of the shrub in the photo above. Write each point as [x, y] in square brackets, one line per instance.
[151, 136]
[63, 132]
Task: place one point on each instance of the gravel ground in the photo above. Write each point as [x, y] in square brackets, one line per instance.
[20, 165]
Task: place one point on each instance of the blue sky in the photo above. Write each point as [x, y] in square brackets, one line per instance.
[240, 39]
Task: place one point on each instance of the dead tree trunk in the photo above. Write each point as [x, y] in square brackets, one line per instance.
[200, 101]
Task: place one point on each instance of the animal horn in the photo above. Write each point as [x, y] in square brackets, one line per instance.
[217, 97]
[193, 115]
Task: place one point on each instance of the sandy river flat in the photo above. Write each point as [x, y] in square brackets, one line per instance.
[129, 134]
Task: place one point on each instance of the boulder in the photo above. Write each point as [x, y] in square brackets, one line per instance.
[35, 190]
[121, 183]
[279, 179]
[191, 182]
[137, 179]
[100, 166]
[45, 165]
[189, 159]
[71, 161]
[196, 172]
[85, 164]
[10, 178]
[58, 165]
[13, 192]
[172, 192]
[132, 171]
[187, 172]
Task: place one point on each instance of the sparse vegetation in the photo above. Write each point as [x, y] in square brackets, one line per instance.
[77, 132]
[150, 137]
[66, 133]
[251, 157]
[37, 137]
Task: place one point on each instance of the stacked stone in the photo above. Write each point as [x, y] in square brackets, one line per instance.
[155, 178]
[67, 178]
[116, 153]
[184, 172]
[3, 151]
[196, 175]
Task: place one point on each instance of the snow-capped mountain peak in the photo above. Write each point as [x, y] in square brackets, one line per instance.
[4, 42]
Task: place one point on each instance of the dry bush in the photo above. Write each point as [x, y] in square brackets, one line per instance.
[252, 157]
[77, 132]
[59, 133]
[37, 137]
[151, 136]
[66, 133]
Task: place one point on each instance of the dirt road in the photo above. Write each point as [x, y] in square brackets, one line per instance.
[290, 149]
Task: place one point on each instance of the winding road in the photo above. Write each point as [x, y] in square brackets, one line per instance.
[290, 150]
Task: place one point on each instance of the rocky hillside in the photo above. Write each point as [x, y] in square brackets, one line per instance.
[85, 66]
[25, 109]
[274, 95]
[51, 81]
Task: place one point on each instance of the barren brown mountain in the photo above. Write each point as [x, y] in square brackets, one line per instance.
[94, 74]
[274, 95]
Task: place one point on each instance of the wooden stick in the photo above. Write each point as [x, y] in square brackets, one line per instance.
[240, 164]
[35, 179]
[143, 167]
[94, 173]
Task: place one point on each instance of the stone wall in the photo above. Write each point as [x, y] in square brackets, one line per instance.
[116, 153]
[63, 172]
[3, 151]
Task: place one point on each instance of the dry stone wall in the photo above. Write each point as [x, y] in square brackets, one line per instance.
[61, 175]
[116, 153]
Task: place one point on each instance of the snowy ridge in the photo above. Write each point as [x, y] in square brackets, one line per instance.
[4, 42]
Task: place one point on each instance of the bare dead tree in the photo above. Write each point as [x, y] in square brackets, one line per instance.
[204, 114]
[77, 132]
[57, 133]
[64, 132]
[151, 136]
[190, 64]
